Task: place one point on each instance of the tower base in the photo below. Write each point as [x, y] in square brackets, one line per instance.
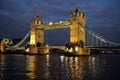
[76, 51]
[38, 50]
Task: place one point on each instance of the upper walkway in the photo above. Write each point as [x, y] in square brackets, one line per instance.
[54, 25]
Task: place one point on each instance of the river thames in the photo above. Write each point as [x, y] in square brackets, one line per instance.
[58, 67]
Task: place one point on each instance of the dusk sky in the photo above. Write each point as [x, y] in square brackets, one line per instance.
[103, 17]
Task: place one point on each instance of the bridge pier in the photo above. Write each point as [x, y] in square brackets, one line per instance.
[83, 51]
[71, 49]
[33, 50]
[38, 50]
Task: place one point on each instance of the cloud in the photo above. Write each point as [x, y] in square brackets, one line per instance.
[105, 19]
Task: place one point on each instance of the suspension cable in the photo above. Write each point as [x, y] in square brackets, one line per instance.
[21, 42]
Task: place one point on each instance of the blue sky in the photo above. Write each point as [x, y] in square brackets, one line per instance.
[103, 17]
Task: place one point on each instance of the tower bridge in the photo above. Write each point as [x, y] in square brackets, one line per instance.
[77, 32]
[82, 39]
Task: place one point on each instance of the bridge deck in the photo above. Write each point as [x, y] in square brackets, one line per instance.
[12, 49]
[58, 47]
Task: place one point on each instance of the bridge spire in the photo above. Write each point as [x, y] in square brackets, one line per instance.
[77, 9]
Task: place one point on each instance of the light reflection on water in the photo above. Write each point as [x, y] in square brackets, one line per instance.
[55, 67]
[30, 66]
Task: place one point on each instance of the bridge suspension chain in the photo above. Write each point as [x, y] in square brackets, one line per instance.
[21, 42]
[99, 37]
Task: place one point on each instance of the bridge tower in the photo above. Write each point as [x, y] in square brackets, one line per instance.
[36, 35]
[77, 33]
[37, 38]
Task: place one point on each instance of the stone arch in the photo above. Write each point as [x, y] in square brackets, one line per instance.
[38, 44]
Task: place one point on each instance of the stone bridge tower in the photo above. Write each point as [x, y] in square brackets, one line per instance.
[77, 22]
[36, 35]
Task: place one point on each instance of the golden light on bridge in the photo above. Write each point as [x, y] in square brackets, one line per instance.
[76, 48]
[32, 39]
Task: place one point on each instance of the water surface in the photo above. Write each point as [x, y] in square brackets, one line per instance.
[57, 67]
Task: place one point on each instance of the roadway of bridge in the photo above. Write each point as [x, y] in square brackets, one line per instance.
[57, 47]
[18, 48]
[104, 48]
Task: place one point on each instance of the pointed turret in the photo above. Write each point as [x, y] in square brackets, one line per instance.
[77, 9]
[37, 20]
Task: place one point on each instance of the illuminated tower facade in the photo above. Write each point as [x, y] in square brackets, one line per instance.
[36, 35]
[77, 24]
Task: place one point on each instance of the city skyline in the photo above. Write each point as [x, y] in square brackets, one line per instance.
[102, 17]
